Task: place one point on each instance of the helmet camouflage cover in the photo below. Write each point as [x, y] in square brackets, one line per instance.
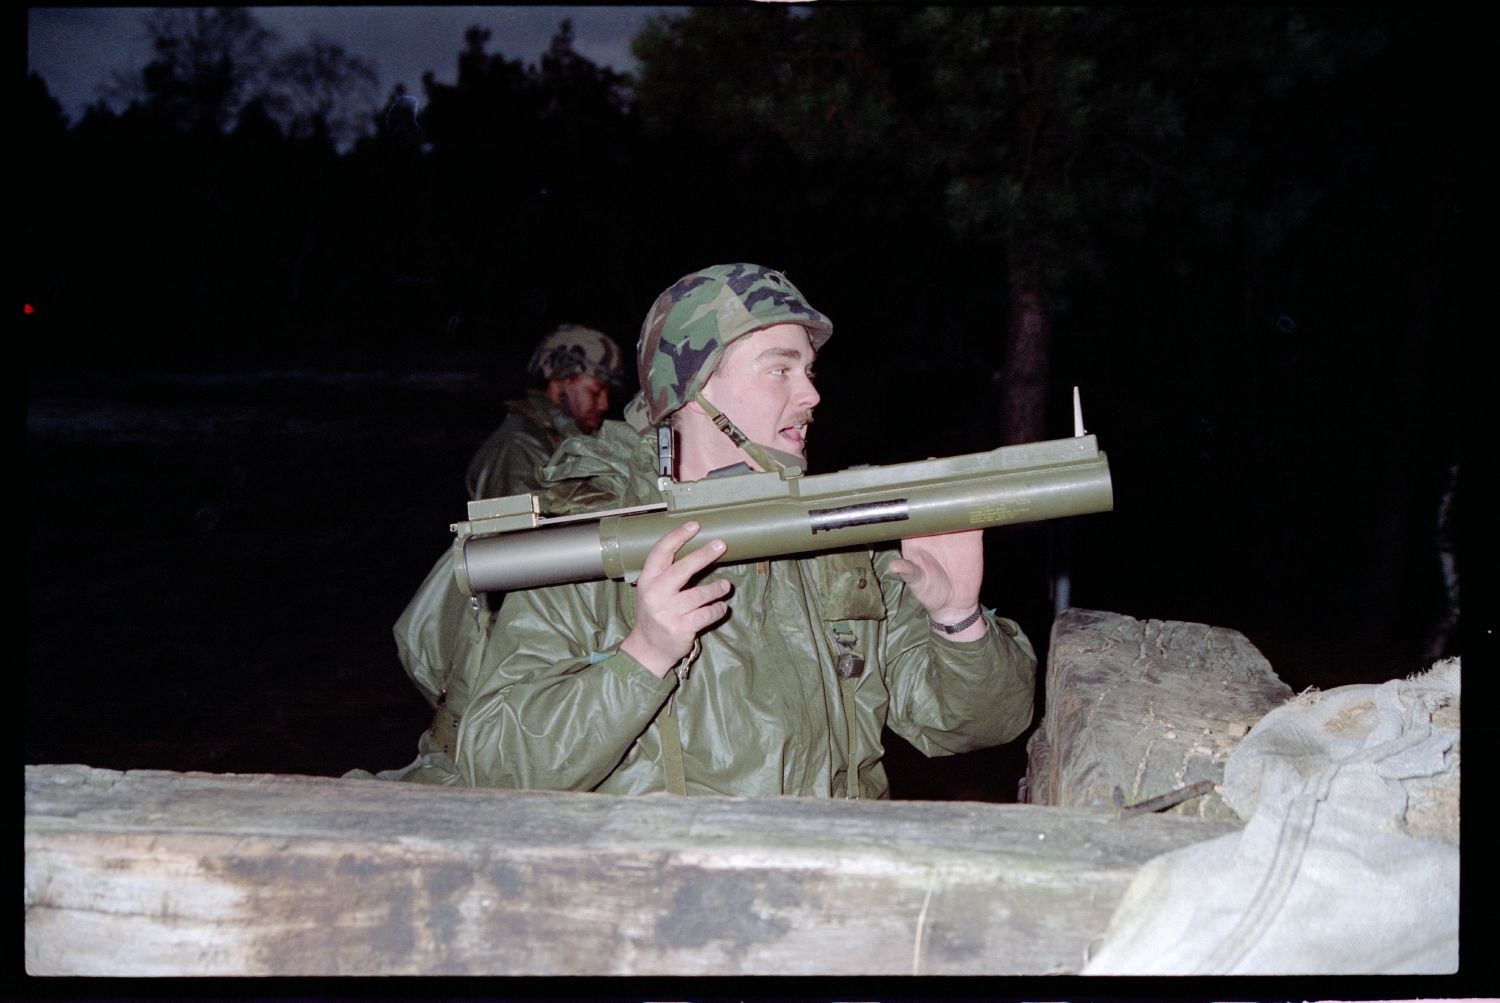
[691, 324]
[573, 349]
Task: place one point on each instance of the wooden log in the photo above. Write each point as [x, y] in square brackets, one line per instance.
[155, 873]
[1136, 709]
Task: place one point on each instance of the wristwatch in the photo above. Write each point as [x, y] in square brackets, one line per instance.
[954, 628]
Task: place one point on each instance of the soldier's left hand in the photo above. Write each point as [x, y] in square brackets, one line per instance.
[944, 573]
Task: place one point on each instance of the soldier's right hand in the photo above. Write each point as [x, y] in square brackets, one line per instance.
[669, 614]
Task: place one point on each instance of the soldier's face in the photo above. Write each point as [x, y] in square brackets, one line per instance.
[764, 384]
[585, 398]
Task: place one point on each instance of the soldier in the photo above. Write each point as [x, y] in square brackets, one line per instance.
[573, 371]
[712, 676]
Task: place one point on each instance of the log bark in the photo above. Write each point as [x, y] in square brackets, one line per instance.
[1137, 709]
[149, 873]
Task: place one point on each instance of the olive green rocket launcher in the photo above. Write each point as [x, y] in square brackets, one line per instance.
[506, 545]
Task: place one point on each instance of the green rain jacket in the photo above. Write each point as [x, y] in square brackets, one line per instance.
[509, 460]
[554, 704]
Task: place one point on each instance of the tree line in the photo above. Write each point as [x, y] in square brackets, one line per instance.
[1029, 195]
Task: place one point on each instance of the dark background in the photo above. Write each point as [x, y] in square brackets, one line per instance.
[260, 350]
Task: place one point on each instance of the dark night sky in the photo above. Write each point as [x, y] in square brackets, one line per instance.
[76, 49]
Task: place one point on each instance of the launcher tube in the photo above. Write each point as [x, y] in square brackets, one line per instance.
[775, 514]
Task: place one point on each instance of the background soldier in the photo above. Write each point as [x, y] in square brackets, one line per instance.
[572, 372]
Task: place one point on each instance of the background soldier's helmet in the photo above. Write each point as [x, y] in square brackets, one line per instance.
[691, 323]
[573, 349]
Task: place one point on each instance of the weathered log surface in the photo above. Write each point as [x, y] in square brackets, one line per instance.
[1138, 708]
[155, 873]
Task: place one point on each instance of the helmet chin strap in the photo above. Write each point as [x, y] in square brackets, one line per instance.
[765, 457]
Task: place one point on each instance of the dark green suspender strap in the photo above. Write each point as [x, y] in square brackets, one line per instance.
[849, 590]
[671, 748]
[849, 666]
[673, 770]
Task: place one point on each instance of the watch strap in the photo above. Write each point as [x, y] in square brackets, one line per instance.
[954, 628]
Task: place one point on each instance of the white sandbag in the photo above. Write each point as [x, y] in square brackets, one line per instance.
[1349, 859]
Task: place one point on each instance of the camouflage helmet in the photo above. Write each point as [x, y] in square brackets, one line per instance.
[573, 349]
[690, 325]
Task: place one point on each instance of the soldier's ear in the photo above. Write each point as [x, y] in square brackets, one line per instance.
[554, 391]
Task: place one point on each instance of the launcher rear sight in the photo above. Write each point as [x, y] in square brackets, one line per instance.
[507, 544]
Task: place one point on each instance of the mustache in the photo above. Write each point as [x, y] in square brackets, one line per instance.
[801, 418]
